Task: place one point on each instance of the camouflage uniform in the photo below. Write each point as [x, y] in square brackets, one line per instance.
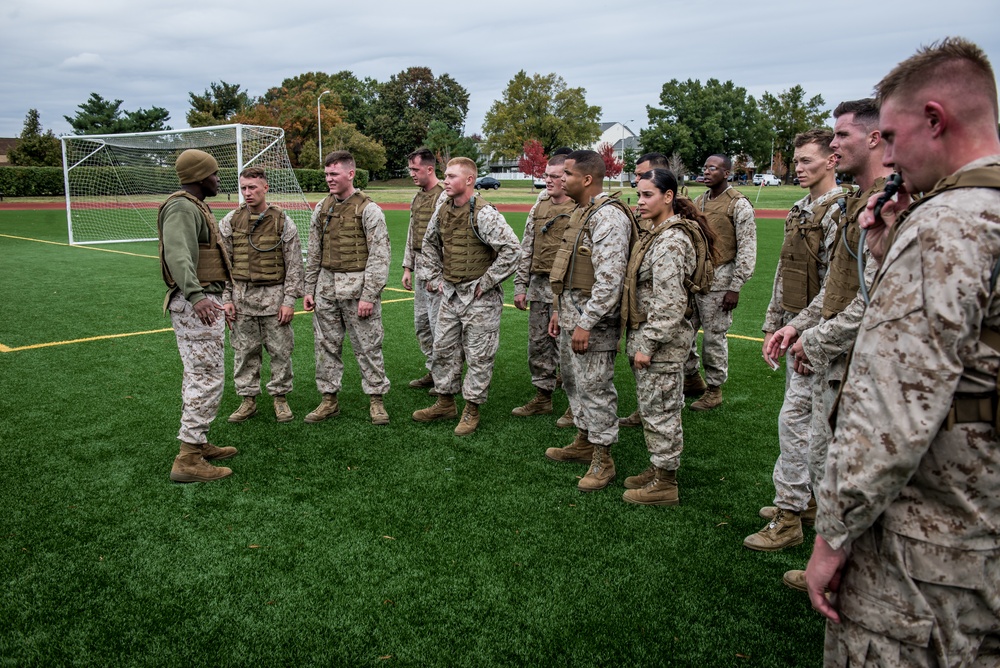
[543, 350]
[337, 295]
[425, 304]
[588, 379]
[791, 470]
[731, 276]
[914, 497]
[256, 323]
[466, 325]
[201, 347]
[666, 337]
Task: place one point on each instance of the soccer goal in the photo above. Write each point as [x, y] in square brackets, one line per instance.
[116, 183]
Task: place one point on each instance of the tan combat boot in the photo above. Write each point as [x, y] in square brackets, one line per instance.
[327, 408]
[377, 410]
[796, 580]
[190, 466]
[282, 411]
[785, 530]
[808, 515]
[601, 471]
[540, 404]
[443, 409]
[711, 399]
[246, 410]
[566, 420]
[633, 420]
[641, 480]
[424, 382]
[211, 452]
[694, 385]
[469, 421]
[660, 491]
[580, 450]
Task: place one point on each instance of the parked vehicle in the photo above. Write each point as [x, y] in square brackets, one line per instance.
[487, 183]
[539, 183]
[766, 180]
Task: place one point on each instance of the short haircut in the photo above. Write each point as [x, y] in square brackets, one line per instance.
[727, 162]
[865, 112]
[465, 163]
[562, 150]
[953, 60]
[254, 173]
[819, 136]
[654, 159]
[557, 160]
[341, 158]
[422, 155]
[588, 162]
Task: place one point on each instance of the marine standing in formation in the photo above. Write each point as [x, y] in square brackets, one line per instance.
[263, 242]
[195, 267]
[468, 251]
[346, 270]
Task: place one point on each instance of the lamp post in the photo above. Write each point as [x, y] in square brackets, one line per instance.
[621, 174]
[319, 125]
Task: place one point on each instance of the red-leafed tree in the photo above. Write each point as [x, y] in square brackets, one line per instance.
[533, 160]
[612, 165]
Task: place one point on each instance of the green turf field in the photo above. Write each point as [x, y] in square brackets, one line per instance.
[342, 543]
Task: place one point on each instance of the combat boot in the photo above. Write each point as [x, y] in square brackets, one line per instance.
[660, 491]
[327, 408]
[566, 420]
[580, 450]
[694, 385]
[601, 471]
[246, 410]
[808, 515]
[540, 404]
[282, 411]
[469, 421]
[796, 580]
[633, 420]
[190, 466]
[711, 399]
[443, 409]
[641, 480]
[424, 382]
[377, 410]
[785, 530]
[211, 452]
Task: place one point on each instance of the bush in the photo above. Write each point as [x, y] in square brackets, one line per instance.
[31, 181]
[314, 180]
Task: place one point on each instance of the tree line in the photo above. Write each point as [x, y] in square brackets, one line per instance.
[381, 122]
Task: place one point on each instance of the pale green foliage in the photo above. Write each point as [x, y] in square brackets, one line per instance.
[217, 105]
[368, 153]
[788, 114]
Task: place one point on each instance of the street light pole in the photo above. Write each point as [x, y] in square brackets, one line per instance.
[319, 125]
[621, 174]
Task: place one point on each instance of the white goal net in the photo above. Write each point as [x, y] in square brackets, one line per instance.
[116, 183]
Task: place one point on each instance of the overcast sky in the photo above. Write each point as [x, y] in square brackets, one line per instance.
[54, 53]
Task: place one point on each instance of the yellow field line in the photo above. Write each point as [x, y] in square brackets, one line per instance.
[93, 248]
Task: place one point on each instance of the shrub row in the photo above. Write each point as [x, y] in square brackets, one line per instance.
[31, 181]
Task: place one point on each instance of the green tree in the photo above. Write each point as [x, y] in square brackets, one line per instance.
[35, 148]
[628, 158]
[446, 144]
[787, 114]
[698, 120]
[217, 105]
[98, 116]
[368, 153]
[540, 107]
[406, 106]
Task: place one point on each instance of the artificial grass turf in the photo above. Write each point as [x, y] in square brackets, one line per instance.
[344, 543]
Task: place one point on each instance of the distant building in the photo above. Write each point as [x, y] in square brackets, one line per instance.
[6, 143]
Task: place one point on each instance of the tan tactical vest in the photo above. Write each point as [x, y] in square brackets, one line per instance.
[214, 265]
[800, 281]
[699, 282]
[345, 246]
[257, 247]
[550, 224]
[842, 280]
[719, 212]
[572, 267]
[421, 209]
[466, 256]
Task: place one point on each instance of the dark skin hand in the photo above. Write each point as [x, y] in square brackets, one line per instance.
[730, 300]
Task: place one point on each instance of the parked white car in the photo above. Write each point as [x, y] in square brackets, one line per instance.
[766, 180]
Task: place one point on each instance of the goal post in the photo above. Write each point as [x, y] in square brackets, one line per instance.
[116, 183]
